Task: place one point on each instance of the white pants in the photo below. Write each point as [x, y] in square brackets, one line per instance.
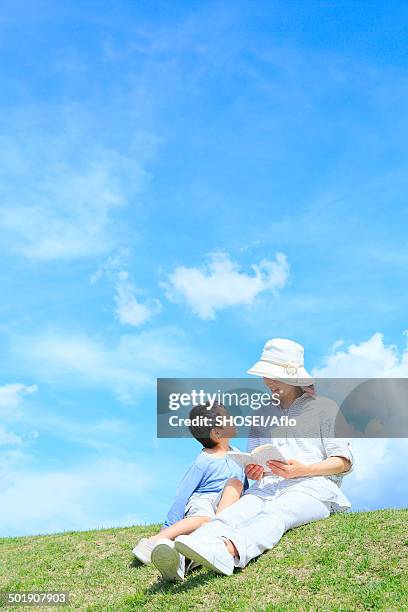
[255, 524]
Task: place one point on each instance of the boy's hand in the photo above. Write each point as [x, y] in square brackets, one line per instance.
[293, 469]
[254, 472]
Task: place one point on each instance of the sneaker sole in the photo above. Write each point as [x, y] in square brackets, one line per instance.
[141, 557]
[167, 561]
[190, 553]
[193, 565]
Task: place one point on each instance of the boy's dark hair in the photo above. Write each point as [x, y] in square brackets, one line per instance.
[202, 432]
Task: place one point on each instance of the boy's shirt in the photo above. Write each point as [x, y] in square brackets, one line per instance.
[207, 474]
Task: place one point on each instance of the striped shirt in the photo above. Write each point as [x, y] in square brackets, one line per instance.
[311, 441]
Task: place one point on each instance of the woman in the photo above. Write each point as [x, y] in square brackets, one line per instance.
[305, 489]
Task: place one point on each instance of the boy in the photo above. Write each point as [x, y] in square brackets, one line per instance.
[211, 484]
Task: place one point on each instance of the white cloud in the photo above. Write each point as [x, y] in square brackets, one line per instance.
[127, 368]
[108, 434]
[109, 269]
[379, 477]
[371, 358]
[60, 190]
[11, 396]
[379, 405]
[128, 309]
[221, 283]
[9, 438]
[11, 459]
[370, 457]
[82, 497]
[70, 212]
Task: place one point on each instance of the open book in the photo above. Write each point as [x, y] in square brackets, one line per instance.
[259, 456]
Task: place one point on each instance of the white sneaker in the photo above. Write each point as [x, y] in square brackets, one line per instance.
[168, 561]
[143, 550]
[210, 553]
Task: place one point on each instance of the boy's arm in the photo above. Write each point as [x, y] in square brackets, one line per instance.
[186, 488]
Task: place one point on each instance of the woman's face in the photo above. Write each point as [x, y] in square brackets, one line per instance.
[279, 388]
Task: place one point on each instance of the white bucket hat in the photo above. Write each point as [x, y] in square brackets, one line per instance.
[283, 360]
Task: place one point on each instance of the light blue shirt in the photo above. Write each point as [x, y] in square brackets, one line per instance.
[208, 474]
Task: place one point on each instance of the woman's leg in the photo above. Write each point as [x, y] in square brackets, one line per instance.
[286, 511]
[236, 516]
[231, 494]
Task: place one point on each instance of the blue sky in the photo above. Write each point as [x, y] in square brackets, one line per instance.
[177, 187]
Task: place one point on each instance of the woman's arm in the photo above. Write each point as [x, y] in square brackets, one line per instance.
[295, 469]
[330, 466]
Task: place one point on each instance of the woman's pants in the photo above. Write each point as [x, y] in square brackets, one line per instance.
[255, 524]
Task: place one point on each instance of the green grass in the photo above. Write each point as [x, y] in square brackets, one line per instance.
[347, 562]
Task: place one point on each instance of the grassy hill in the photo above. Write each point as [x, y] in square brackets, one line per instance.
[347, 562]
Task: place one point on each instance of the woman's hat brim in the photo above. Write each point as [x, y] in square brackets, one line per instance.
[301, 378]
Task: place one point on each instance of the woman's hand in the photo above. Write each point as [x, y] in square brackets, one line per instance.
[291, 469]
[254, 472]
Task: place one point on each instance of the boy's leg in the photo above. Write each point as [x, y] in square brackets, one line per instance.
[183, 527]
[231, 494]
[199, 510]
[165, 557]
